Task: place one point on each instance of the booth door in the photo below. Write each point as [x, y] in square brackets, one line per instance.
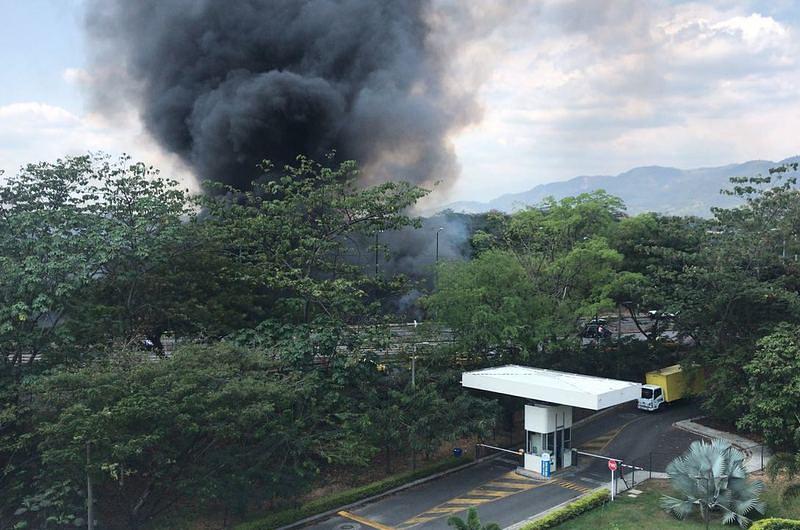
[559, 448]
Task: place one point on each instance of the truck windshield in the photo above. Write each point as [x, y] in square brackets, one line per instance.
[647, 393]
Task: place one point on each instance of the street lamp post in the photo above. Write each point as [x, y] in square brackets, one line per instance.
[437, 243]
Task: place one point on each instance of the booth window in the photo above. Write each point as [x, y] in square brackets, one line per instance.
[549, 443]
[567, 438]
[533, 442]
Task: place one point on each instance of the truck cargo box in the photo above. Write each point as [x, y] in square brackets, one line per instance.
[677, 382]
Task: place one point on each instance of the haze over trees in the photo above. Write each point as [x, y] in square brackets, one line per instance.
[231, 351]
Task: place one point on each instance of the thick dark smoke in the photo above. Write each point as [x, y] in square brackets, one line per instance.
[227, 84]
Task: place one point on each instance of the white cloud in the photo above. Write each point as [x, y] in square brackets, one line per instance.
[36, 131]
[588, 88]
[28, 113]
[77, 76]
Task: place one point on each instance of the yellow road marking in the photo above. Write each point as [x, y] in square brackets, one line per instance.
[417, 520]
[362, 520]
[512, 475]
[467, 502]
[473, 502]
[510, 484]
[445, 509]
[572, 486]
[493, 493]
[485, 493]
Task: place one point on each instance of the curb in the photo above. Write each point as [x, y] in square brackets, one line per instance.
[324, 515]
[709, 433]
[744, 444]
[690, 426]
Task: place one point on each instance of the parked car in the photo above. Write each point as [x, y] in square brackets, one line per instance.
[596, 331]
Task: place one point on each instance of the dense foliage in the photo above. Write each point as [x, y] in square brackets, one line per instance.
[184, 352]
[229, 352]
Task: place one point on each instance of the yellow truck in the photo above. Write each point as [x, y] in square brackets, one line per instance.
[670, 384]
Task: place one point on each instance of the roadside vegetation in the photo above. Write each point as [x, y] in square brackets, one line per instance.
[645, 511]
[570, 511]
[711, 478]
[226, 356]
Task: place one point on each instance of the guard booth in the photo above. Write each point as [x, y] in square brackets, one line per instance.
[550, 397]
[548, 429]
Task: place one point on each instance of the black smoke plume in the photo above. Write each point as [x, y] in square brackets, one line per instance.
[227, 84]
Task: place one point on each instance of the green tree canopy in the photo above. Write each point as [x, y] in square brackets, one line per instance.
[197, 426]
[771, 398]
[541, 271]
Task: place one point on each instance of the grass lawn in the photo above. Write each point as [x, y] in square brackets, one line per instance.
[627, 513]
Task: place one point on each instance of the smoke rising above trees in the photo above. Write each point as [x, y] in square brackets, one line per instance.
[225, 85]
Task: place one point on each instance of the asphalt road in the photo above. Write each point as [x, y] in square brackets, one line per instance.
[505, 498]
[644, 439]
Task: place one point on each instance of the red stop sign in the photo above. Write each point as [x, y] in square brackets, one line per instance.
[612, 465]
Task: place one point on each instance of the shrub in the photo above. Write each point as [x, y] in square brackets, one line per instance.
[570, 511]
[791, 491]
[323, 504]
[713, 477]
[776, 524]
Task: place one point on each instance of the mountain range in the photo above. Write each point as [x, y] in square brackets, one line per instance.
[665, 190]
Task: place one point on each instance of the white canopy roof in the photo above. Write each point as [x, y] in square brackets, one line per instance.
[562, 388]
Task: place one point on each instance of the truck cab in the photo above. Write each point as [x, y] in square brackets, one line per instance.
[651, 399]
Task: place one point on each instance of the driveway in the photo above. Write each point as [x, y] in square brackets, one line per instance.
[503, 497]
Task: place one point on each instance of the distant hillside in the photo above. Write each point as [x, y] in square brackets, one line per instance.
[665, 190]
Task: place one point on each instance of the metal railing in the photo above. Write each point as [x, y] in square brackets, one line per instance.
[621, 465]
[656, 461]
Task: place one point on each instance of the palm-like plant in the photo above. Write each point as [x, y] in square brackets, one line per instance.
[713, 478]
[472, 522]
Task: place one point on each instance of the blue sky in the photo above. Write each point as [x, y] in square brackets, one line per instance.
[39, 40]
[568, 87]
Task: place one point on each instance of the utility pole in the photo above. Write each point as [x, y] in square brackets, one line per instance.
[414, 361]
[89, 493]
[437, 243]
[376, 253]
[414, 387]
[414, 370]
[619, 337]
